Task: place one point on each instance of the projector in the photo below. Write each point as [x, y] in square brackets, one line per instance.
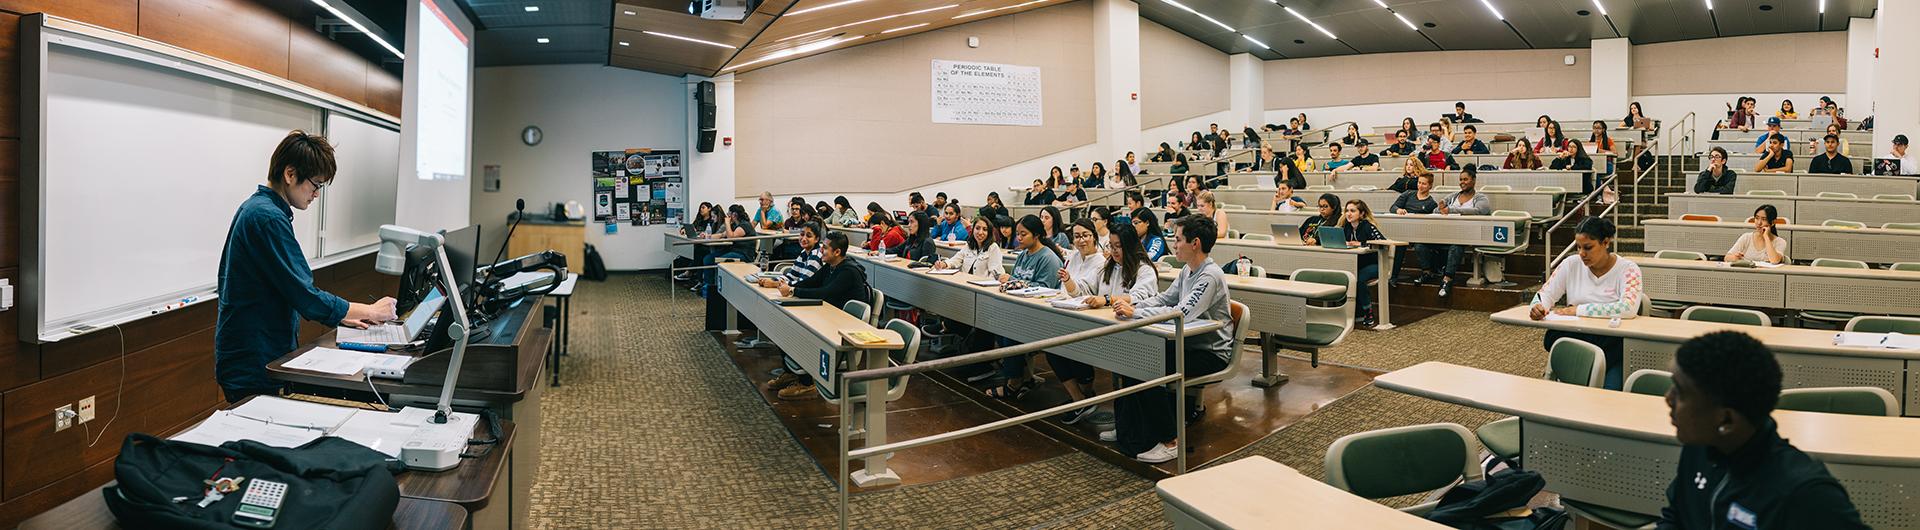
[732, 10]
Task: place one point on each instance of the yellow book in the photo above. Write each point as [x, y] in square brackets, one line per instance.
[864, 337]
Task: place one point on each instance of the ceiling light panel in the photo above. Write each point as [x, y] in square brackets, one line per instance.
[1256, 42]
[870, 20]
[356, 25]
[823, 6]
[690, 39]
[1496, 12]
[1303, 18]
[1183, 7]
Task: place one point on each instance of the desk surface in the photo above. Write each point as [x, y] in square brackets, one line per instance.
[1102, 316]
[1255, 492]
[824, 321]
[469, 484]
[531, 361]
[1275, 244]
[1673, 330]
[1831, 438]
[89, 512]
[1795, 270]
[1278, 286]
[1790, 228]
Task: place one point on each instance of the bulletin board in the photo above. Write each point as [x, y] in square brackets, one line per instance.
[640, 187]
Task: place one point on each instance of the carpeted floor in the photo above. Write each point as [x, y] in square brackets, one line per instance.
[655, 428]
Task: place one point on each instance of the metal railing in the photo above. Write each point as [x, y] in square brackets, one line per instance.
[1641, 173]
[1585, 201]
[1326, 134]
[876, 381]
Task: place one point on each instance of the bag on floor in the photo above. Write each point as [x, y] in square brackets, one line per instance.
[331, 483]
[595, 268]
[1486, 504]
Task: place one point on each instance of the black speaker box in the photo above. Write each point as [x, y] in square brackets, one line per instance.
[706, 116]
[705, 144]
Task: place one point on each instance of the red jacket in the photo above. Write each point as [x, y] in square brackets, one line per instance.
[893, 237]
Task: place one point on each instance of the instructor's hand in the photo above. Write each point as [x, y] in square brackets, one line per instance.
[361, 316]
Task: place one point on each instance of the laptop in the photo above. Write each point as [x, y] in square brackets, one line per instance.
[1286, 234]
[1820, 122]
[1886, 166]
[1332, 237]
[397, 334]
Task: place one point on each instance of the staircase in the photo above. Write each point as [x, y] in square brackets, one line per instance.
[1650, 201]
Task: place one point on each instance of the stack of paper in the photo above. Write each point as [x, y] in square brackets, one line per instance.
[1892, 341]
[1035, 292]
[281, 422]
[1074, 303]
[942, 272]
[985, 283]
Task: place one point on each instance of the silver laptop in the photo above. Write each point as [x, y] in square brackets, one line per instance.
[1286, 234]
[397, 334]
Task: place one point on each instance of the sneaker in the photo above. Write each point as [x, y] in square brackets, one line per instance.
[1109, 435]
[1074, 416]
[798, 393]
[780, 383]
[748, 344]
[683, 276]
[1159, 453]
[1446, 287]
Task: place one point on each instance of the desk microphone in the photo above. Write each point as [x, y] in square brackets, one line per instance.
[519, 213]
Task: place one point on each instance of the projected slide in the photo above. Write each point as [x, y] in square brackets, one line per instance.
[443, 56]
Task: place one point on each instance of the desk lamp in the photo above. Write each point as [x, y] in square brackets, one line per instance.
[437, 443]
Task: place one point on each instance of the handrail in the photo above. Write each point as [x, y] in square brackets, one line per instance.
[1598, 189]
[876, 379]
[1640, 174]
[1326, 133]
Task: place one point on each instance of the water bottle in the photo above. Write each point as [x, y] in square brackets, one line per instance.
[1244, 265]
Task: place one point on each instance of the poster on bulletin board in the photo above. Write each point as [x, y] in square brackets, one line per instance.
[639, 186]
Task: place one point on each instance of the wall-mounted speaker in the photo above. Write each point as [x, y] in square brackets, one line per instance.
[705, 141]
[706, 116]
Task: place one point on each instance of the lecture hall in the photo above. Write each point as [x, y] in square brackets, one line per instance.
[1193, 264]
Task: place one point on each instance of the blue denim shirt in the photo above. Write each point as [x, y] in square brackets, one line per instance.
[265, 289]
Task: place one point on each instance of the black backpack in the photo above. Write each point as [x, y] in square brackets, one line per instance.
[1476, 505]
[331, 483]
[595, 268]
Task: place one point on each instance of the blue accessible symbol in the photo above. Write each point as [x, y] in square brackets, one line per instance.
[1500, 234]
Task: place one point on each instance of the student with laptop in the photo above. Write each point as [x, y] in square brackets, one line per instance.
[264, 287]
[1600, 284]
[1831, 161]
[1735, 470]
[1143, 422]
[1460, 114]
[1897, 161]
[1327, 215]
[1356, 228]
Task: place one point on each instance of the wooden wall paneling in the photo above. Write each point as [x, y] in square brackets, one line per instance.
[9, 195]
[9, 89]
[320, 63]
[34, 455]
[172, 384]
[25, 506]
[383, 90]
[80, 352]
[121, 15]
[19, 362]
[242, 31]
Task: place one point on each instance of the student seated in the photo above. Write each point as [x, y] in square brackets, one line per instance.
[1055, 227]
[1635, 118]
[1717, 177]
[1165, 154]
[918, 203]
[737, 224]
[1327, 214]
[1096, 177]
[1599, 284]
[1147, 227]
[1284, 200]
[1735, 470]
[1334, 162]
[1467, 201]
[1814, 145]
[993, 208]
[1831, 161]
[1420, 201]
[1574, 158]
[767, 217]
[1777, 158]
[1039, 194]
[918, 245]
[1038, 265]
[886, 231]
[1773, 128]
[804, 266]
[1441, 130]
[1763, 244]
[1460, 114]
[1552, 141]
[1143, 422]
[1522, 157]
[1362, 161]
[1210, 208]
[1470, 144]
[1402, 145]
[838, 281]
[982, 255]
[843, 213]
[1353, 135]
[1436, 157]
[1410, 172]
[951, 227]
[1358, 224]
[1071, 195]
[1786, 111]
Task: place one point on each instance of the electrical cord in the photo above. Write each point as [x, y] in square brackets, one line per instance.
[117, 394]
[376, 392]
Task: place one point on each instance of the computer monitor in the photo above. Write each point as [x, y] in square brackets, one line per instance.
[463, 247]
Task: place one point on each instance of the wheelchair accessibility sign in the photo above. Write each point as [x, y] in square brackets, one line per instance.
[1500, 234]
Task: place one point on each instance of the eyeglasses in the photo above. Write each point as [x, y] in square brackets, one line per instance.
[317, 185]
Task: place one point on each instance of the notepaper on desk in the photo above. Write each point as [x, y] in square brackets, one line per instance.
[330, 361]
[1035, 291]
[1892, 341]
[942, 272]
[225, 426]
[1075, 303]
[1556, 317]
[985, 283]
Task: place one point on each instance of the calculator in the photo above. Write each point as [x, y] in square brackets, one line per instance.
[261, 504]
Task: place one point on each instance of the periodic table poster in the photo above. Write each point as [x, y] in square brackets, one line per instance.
[985, 93]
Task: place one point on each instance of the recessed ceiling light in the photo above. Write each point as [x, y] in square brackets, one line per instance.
[1255, 42]
[1823, 7]
[1766, 7]
[823, 6]
[789, 52]
[1709, 5]
[1431, 25]
[532, 9]
[363, 29]
[904, 28]
[1602, 8]
[893, 16]
[625, 43]
[1383, 5]
[691, 39]
[1496, 12]
[1183, 7]
[1001, 8]
[1583, 12]
[628, 12]
[543, 40]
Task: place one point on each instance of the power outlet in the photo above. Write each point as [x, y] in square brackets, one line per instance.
[63, 417]
[86, 409]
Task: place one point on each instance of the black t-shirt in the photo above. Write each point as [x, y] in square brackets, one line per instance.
[1401, 148]
[1477, 147]
[1368, 159]
[1779, 161]
[1839, 164]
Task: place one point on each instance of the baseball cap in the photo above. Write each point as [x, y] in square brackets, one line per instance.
[1900, 139]
[1363, 141]
[1773, 121]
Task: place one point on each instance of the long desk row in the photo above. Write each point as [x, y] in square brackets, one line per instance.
[1804, 242]
[1812, 184]
[1744, 161]
[1537, 203]
[1475, 230]
[816, 338]
[1517, 179]
[1798, 135]
[1794, 287]
[1800, 209]
[1617, 449]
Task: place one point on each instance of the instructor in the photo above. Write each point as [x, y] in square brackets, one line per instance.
[265, 286]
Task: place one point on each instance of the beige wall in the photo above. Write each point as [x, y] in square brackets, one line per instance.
[861, 118]
[1814, 62]
[1180, 78]
[1426, 76]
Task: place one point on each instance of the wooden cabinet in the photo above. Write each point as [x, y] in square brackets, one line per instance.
[569, 239]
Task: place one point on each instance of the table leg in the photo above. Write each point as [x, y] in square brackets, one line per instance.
[875, 472]
[566, 325]
[1270, 376]
[1385, 285]
[553, 348]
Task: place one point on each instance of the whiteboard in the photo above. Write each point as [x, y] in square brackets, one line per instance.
[986, 93]
[135, 161]
[361, 197]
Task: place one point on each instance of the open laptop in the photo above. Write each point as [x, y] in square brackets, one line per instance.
[1286, 234]
[1886, 166]
[1331, 237]
[397, 334]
